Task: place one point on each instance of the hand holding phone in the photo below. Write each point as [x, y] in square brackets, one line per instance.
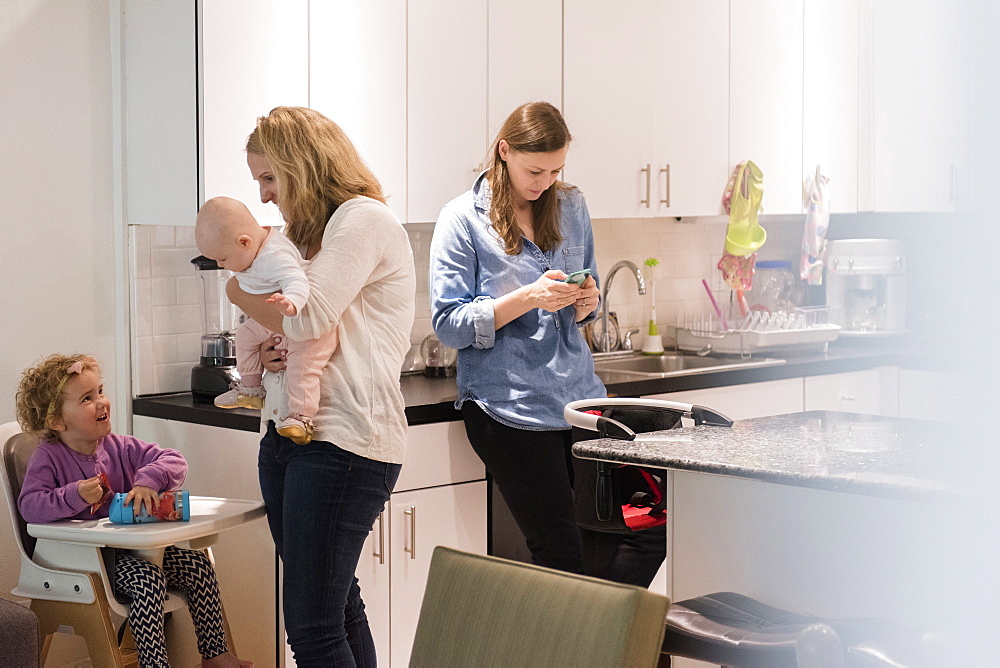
[578, 277]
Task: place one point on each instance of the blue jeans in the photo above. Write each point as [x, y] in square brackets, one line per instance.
[321, 505]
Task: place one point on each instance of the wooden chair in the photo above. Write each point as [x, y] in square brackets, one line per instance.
[486, 611]
[80, 595]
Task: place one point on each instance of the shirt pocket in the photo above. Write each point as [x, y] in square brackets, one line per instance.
[573, 259]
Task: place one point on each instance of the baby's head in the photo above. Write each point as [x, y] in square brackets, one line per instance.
[227, 232]
[41, 395]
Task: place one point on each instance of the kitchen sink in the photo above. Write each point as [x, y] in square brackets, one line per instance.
[623, 367]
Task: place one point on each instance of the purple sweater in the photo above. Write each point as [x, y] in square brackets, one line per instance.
[49, 490]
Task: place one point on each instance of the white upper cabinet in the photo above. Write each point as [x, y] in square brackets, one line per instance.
[830, 98]
[254, 57]
[610, 95]
[160, 94]
[525, 57]
[357, 78]
[197, 76]
[917, 104]
[765, 97]
[692, 80]
[446, 102]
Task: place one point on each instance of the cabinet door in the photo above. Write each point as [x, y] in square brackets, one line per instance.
[373, 578]
[934, 395]
[525, 57]
[223, 462]
[692, 104]
[919, 98]
[740, 402]
[438, 454]
[765, 97]
[446, 77]
[357, 78]
[609, 98]
[852, 392]
[161, 112]
[453, 515]
[252, 59]
[830, 98]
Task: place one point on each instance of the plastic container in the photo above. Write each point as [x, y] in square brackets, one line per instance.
[174, 506]
[775, 287]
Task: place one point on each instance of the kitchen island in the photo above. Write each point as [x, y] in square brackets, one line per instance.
[825, 513]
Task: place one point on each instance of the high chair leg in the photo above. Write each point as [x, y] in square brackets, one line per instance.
[90, 621]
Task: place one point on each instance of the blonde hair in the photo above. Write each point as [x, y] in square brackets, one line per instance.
[316, 166]
[39, 395]
[535, 127]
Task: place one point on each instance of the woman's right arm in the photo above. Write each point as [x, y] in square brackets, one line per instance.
[460, 315]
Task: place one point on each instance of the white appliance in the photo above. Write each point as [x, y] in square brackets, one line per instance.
[866, 287]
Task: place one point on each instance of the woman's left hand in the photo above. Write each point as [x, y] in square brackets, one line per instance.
[588, 299]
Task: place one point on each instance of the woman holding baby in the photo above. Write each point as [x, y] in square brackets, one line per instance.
[323, 496]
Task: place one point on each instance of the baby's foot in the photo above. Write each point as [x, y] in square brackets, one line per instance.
[226, 660]
[299, 431]
[242, 396]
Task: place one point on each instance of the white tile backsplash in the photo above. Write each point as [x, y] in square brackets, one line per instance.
[167, 313]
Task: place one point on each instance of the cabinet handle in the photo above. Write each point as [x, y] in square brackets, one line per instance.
[666, 170]
[953, 182]
[381, 539]
[847, 397]
[648, 170]
[412, 512]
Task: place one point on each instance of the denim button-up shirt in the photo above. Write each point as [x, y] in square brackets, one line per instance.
[524, 373]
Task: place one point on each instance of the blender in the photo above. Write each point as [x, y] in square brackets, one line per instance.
[216, 369]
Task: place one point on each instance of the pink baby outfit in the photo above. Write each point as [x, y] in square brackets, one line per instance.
[278, 268]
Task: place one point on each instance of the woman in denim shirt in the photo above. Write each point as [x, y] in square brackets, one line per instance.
[498, 257]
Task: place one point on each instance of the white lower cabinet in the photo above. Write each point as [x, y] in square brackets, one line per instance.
[223, 462]
[870, 391]
[740, 402]
[439, 499]
[937, 395]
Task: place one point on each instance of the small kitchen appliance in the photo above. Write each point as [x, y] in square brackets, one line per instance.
[866, 287]
[439, 359]
[216, 369]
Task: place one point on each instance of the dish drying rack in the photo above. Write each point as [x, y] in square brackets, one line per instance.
[806, 328]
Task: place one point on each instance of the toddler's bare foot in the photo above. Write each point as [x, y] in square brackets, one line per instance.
[226, 660]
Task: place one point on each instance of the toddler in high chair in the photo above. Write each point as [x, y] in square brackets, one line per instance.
[265, 261]
[79, 465]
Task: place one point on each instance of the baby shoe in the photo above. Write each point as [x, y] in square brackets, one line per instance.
[299, 431]
[242, 396]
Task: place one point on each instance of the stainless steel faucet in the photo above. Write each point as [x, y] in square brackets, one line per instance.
[605, 343]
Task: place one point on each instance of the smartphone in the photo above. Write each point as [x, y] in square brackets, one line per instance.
[578, 277]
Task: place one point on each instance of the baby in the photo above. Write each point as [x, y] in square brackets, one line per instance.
[75, 471]
[265, 262]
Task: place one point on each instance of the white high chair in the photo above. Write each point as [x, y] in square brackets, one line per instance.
[63, 570]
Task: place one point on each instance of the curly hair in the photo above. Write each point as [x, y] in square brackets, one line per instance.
[534, 127]
[316, 166]
[38, 394]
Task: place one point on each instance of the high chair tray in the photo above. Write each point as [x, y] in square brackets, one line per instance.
[209, 515]
[747, 342]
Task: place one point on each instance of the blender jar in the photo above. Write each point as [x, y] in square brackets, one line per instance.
[216, 369]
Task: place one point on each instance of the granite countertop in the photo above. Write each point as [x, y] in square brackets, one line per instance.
[844, 452]
[432, 399]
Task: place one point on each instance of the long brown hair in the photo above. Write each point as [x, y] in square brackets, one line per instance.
[534, 127]
[316, 166]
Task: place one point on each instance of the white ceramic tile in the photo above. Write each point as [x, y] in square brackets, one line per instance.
[163, 236]
[188, 290]
[165, 348]
[141, 242]
[142, 366]
[176, 319]
[184, 236]
[142, 307]
[188, 348]
[164, 291]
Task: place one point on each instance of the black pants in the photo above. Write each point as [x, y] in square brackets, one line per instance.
[534, 472]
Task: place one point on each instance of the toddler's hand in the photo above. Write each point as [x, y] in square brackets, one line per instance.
[142, 495]
[282, 303]
[90, 489]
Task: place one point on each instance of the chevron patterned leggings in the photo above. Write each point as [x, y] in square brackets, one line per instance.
[146, 585]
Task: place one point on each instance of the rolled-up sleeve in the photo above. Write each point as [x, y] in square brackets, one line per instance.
[461, 318]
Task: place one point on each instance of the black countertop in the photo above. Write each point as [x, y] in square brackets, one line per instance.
[844, 452]
[432, 399]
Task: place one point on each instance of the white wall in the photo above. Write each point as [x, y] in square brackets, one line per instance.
[56, 185]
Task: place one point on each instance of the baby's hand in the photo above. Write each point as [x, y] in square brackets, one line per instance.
[282, 303]
[142, 495]
[90, 489]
